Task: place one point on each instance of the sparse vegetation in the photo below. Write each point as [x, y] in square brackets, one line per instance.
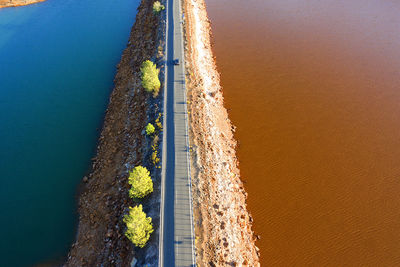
[160, 51]
[158, 123]
[154, 158]
[139, 226]
[154, 155]
[150, 81]
[150, 129]
[141, 182]
[158, 7]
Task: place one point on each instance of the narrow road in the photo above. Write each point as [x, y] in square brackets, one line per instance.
[176, 220]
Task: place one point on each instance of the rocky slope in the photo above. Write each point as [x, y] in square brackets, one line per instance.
[122, 145]
[10, 3]
[223, 225]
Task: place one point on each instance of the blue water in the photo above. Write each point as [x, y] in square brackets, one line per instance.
[57, 63]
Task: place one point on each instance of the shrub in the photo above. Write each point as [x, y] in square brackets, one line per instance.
[141, 182]
[154, 158]
[158, 123]
[154, 155]
[150, 129]
[158, 7]
[139, 226]
[150, 81]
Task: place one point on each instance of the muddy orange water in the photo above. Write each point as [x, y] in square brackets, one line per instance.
[314, 90]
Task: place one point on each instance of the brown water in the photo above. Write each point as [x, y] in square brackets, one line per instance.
[314, 89]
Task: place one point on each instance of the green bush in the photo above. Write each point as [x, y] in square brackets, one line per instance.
[150, 129]
[150, 81]
[141, 182]
[158, 7]
[139, 226]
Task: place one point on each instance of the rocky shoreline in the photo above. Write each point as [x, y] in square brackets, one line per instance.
[222, 223]
[104, 198]
[14, 3]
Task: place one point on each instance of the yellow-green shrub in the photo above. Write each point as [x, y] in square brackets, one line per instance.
[141, 182]
[158, 7]
[154, 155]
[154, 158]
[158, 123]
[150, 129]
[150, 81]
[139, 226]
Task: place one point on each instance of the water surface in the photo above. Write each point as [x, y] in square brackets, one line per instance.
[57, 63]
[314, 90]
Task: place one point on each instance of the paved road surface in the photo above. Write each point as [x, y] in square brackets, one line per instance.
[176, 226]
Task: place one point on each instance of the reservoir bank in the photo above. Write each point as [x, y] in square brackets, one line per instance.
[223, 225]
[313, 88]
[57, 64]
[15, 3]
[123, 144]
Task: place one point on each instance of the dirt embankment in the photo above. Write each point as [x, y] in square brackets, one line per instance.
[122, 145]
[11, 3]
[223, 224]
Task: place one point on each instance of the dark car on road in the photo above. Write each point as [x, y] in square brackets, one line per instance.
[176, 61]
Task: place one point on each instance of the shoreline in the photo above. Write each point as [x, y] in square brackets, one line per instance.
[122, 144]
[222, 221]
[17, 3]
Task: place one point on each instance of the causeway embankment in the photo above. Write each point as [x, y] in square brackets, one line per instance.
[223, 225]
[122, 145]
